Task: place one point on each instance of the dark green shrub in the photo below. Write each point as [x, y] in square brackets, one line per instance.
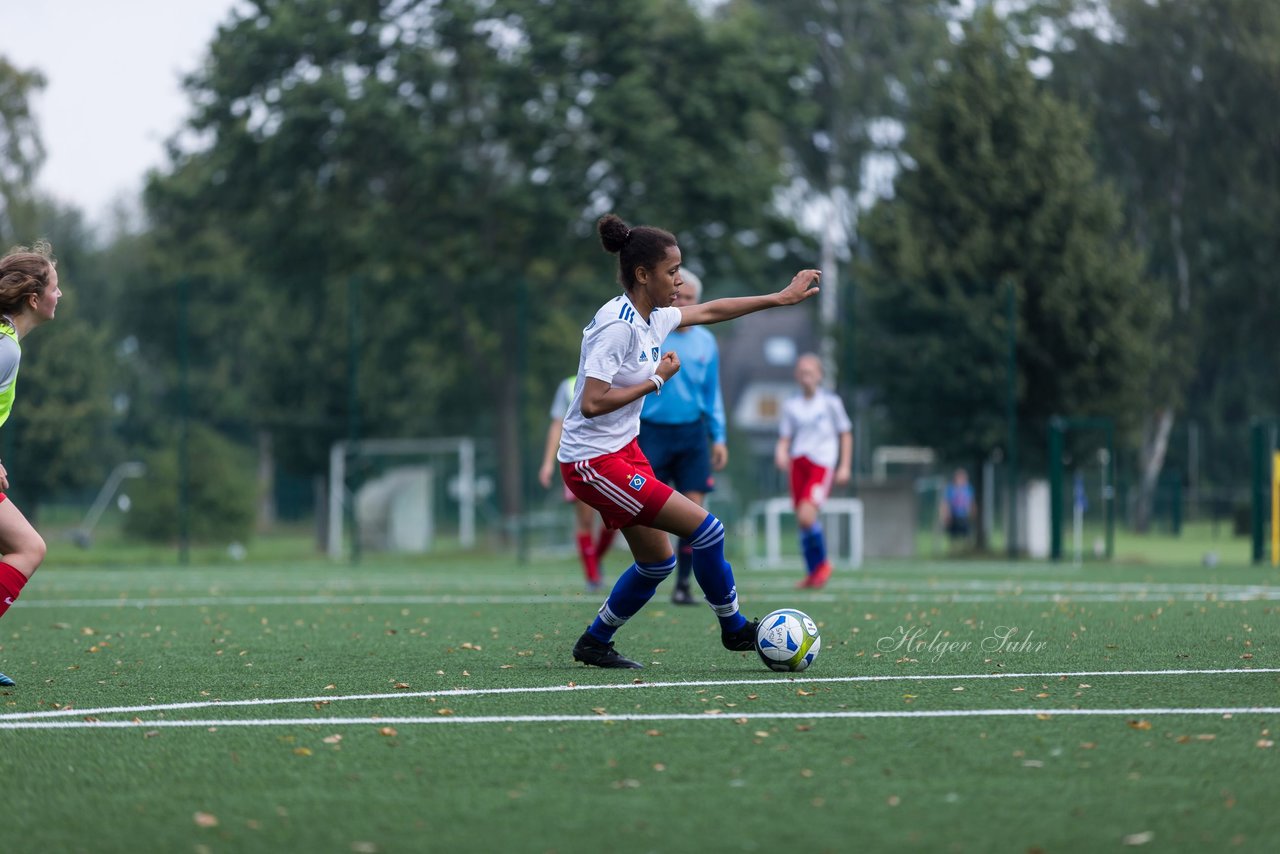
[220, 492]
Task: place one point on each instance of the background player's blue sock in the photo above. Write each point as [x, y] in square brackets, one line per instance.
[632, 589]
[684, 563]
[814, 546]
[714, 574]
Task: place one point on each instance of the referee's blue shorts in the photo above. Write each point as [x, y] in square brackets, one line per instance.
[679, 453]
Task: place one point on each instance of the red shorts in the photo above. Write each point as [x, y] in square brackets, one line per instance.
[621, 486]
[809, 482]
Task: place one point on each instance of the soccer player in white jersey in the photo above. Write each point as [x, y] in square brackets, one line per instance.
[591, 546]
[600, 459]
[29, 295]
[815, 445]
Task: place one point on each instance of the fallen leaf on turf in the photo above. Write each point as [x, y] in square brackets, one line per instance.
[330, 687]
[505, 666]
[1183, 739]
[1088, 745]
[302, 751]
[1140, 724]
[1139, 838]
[1265, 742]
[332, 739]
[714, 712]
[151, 733]
[653, 732]
[803, 727]
[753, 696]
[739, 720]
[893, 800]
[1041, 695]
[1247, 655]
[599, 710]
[402, 686]
[1044, 717]
[444, 711]
[206, 819]
[957, 689]
[320, 705]
[387, 731]
[1206, 736]
[803, 693]
[469, 645]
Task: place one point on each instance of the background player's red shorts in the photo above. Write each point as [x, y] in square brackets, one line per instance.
[809, 481]
[621, 486]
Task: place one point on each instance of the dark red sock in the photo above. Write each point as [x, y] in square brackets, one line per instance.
[11, 584]
[590, 563]
[604, 541]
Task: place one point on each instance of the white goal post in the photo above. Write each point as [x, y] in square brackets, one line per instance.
[340, 497]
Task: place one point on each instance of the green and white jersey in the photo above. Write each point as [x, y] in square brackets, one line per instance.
[10, 356]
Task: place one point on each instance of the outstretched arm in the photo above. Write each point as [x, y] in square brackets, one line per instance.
[803, 286]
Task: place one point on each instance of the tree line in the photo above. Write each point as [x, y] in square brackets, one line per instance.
[379, 219]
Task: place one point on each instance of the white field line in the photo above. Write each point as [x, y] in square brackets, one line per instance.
[938, 596]
[550, 689]
[410, 584]
[606, 718]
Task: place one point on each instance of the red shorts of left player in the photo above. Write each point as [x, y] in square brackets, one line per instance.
[621, 486]
[809, 482]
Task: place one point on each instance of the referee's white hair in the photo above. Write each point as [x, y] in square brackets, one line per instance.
[692, 282]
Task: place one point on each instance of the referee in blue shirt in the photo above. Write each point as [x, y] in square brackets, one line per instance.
[682, 430]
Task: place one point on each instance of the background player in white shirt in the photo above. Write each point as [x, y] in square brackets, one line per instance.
[815, 445]
[599, 456]
[592, 546]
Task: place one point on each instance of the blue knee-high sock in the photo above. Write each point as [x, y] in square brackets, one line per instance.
[684, 563]
[714, 574]
[814, 546]
[632, 589]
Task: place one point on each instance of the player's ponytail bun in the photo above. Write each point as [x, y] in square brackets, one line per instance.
[613, 233]
[641, 246]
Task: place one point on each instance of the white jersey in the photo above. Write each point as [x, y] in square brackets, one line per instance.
[814, 424]
[620, 348]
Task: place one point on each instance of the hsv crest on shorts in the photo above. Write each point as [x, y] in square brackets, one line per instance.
[637, 481]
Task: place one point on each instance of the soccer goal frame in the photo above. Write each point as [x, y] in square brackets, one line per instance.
[340, 497]
[838, 515]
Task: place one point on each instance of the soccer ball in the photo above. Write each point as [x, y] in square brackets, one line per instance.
[788, 640]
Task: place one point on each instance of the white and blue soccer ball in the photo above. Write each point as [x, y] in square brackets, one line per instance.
[788, 640]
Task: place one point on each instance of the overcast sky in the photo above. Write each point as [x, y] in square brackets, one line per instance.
[113, 94]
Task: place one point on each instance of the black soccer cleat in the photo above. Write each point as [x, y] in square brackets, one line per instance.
[682, 596]
[597, 653]
[5, 681]
[743, 639]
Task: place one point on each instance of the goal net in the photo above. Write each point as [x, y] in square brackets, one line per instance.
[403, 495]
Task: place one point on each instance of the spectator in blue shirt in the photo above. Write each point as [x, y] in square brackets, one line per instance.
[957, 505]
[682, 430]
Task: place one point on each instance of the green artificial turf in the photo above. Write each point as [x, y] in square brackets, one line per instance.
[482, 734]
